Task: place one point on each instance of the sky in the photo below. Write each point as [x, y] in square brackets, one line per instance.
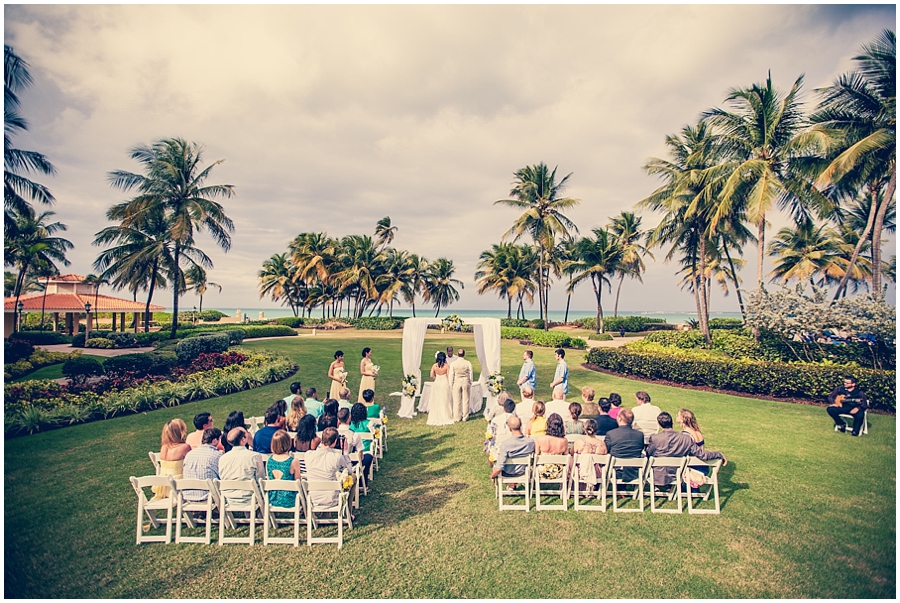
[331, 117]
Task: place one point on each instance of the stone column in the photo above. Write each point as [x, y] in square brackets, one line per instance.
[113, 322]
[123, 322]
[55, 320]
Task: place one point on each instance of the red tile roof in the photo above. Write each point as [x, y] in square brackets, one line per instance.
[76, 278]
[70, 302]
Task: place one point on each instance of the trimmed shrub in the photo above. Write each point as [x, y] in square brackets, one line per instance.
[678, 339]
[190, 348]
[99, 342]
[632, 324]
[79, 368]
[248, 331]
[78, 339]
[541, 338]
[726, 323]
[235, 336]
[128, 363]
[295, 322]
[43, 337]
[779, 380]
[15, 350]
[515, 322]
[376, 323]
[212, 315]
[123, 340]
[600, 337]
[163, 362]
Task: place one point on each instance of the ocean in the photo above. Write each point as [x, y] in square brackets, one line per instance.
[670, 316]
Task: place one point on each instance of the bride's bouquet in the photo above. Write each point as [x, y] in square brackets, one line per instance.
[410, 385]
[495, 383]
[452, 323]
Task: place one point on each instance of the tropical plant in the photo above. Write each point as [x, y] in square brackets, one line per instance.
[417, 270]
[507, 270]
[597, 259]
[439, 284]
[277, 280]
[175, 186]
[536, 192]
[627, 228]
[804, 252]
[385, 232]
[196, 280]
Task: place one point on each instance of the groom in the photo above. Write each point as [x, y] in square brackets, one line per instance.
[460, 382]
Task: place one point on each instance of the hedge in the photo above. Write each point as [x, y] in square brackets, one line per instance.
[212, 315]
[376, 323]
[80, 368]
[249, 331]
[632, 324]
[38, 359]
[42, 337]
[600, 337]
[295, 322]
[779, 380]
[541, 338]
[190, 348]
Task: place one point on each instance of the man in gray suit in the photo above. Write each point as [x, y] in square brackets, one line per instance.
[625, 442]
[673, 443]
[460, 381]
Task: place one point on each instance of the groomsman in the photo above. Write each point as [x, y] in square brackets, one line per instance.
[528, 372]
[460, 382]
[450, 357]
[561, 377]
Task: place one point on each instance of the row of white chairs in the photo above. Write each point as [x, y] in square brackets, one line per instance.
[574, 481]
[180, 511]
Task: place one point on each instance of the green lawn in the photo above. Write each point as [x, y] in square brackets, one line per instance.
[806, 512]
[54, 371]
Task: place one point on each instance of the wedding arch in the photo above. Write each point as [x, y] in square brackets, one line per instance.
[487, 348]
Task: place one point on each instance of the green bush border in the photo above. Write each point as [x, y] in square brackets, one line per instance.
[541, 338]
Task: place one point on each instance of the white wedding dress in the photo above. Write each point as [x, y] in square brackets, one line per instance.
[439, 409]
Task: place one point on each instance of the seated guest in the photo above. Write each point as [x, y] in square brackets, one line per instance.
[351, 440]
[344, 399]
[573, 424]
[590, 444]
[554, 440]
[538, 424]
[203, 462]
[515, 445]
[645, 415]
[263, 438]
[625, 442]
[329, 409]
[359, 423]
[523, 408]
[616, 401]
[313, 406]
[588, 405]
[689, 425]
[296, 391]
[298, 409]
[605, 421]
[172, 451]
[853, 402]
[671, 443]
[235, 419]
[202, 421]
[282, 407]
[499, 428]
[373, 411]
[557, 405]
[306, 438]
[240, 463]
[493, 409]
[325, 463]
[281, 465]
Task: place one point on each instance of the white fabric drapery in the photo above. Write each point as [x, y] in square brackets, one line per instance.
[487, 348]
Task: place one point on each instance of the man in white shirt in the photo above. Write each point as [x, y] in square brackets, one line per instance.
[524, 408]
[240, 463]
[450, 357]
[645, 415]
[344, 399]
[561, 377]
[558, 405]
[528, 372]
[325, 463]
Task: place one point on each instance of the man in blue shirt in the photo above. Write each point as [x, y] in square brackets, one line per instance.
[528, 374]
[561, 377]
[313, 406]
[262, 440]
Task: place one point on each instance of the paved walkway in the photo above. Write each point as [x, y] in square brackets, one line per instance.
[617, 342]
[68, 349]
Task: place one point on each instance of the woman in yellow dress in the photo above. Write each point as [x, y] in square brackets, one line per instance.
[171, 455]
[367, 370]
[338, 375]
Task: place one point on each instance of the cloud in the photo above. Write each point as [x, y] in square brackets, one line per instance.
[330, 117]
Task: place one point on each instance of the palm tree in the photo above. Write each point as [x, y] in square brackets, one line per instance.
[417, 270]
[175, 185]
[536, 192]
[359, 261]
[384, 232]
[492, 274]
[18, 190]
[35, 246]
[804, 252]
[627, 228]
[314, 254]
[597, 259]
[859, 114]
[277, 280]
[760, 140]
[439, 283]
[196, 278]
[397, 273]
[96, 281]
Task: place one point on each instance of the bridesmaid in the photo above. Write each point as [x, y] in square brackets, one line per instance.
[338, 375]
[367, 372]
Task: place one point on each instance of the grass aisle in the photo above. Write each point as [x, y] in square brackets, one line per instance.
[806, 512]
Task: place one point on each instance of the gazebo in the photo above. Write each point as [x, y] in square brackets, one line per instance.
[487, 347]
[69, 295]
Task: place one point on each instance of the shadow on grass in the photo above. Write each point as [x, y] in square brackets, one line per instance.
[727, 485]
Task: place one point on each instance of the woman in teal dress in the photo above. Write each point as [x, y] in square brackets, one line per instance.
[360, 424]
[281, 465]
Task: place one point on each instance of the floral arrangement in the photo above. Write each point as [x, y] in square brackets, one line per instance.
[452, 323]
[376, 368]
[376, 432]
[409, 386]
[495, 383]
[346, 480]
[342, 375]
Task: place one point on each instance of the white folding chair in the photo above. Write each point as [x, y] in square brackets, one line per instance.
[356, 460]
[638, 482]
[676, 462]
[377, 431]
[384, 444]
[712, 485]
[368, 436]
[154, 458]
[341, 508]
[572, 438]
[524, 479]
[150, 507]
[270, 511]
[254, 424]
[234, 487]
[585, 463]
[848, 419]
[187, 507]
[562, 480]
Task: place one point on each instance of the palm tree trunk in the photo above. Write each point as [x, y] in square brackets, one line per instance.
[704, 302]
[597, 297]
[44, 305]
[541, 284]
[201, 304]
[870, 221]
[153, 274]
[618, 290]
[176, 288]
[737, 288]
[438, 311]
[876, 234]
[568, 303]
[760, 252]
[508, 306]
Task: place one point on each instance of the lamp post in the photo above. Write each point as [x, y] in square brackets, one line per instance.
[19, 307]
[87, 321]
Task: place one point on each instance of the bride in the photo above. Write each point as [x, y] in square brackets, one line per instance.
[439, 412]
